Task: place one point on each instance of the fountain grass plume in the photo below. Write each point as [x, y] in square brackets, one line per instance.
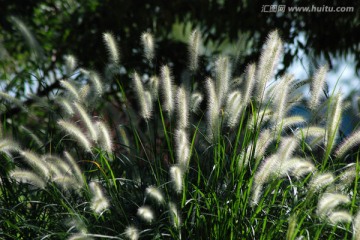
[145, 104]
[194, 49]
[146, 214]
[223, 74]
[329, 201]
[167, 89]
[333, 121]
[213, 110]
[350, 142]
[155, 194]
[280, 98]
[268, 61]
[337, 217]
[147, 41]
[99, 203]
[105, 138]
[153, 86]
[132, 233]
[233, 108]
[174, 215]
[287, 122]
[71, 89]
[75, 167]
[321, 181]
[38, 164]
[26, 176]
[70, 64]
[87, 120]
[182, 148]
[196, 99]
[76, 133]
[249, 83]
[182, 108]
[111, 46]
[317, 86]
[176, 175]
[7, 145]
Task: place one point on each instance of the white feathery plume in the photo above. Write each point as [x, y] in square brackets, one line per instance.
[167, 89]
[57, 165]
[99, 203]
[146, 214]
[265, 138]
[280, 98]
[182, 109]
[105, 138]
[55, 169]
[154, 87]
[145, 104]
[291, 121]
[182, 148]
[112, 47]
[84, 92]
[95, 79]
[268, 61]
[66, 106]
[71, 89]
[155, 194]
[312, 131]
[132, 233]
[196, 99]
[147, 41]
[249, 83]
[194, 49]
[300, 167]
[76, 133]
[350, 142]
[269, 167]
[38, 164]
[75, 167]
[317, 85]
[348, 176]
[88, 123]
[321, 181]
[176, 175]
[333, 121]
[340, 217]
[174, 215]
[213, 110]
[28, 177]
[260, 118]
[222, 72]
[70, 63]
[233, 108]
[67, 182]
[329, 201]
[7, 145]
[287, 147]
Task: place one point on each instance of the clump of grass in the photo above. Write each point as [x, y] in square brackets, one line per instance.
[245, 166]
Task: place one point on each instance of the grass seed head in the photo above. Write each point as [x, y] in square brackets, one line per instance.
[147, 41]
[146, 214]
[111, 45]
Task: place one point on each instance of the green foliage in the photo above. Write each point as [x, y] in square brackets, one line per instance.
[98, 160]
